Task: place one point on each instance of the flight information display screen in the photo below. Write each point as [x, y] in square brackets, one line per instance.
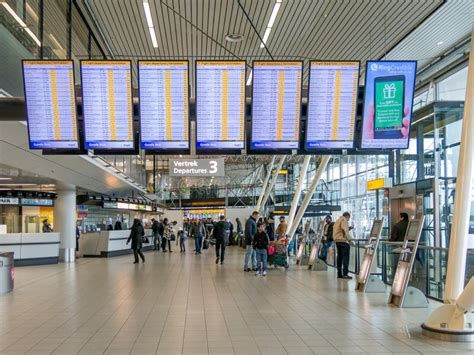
[50, 104]
[164, 106]
[388, 104]
[332, 105]
[220, 105]
[276, 105]
[107, 104]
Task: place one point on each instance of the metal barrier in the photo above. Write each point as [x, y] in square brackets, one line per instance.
[429, 270]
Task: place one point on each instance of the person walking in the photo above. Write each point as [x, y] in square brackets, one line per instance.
[182, 235]
[156, 236]
[220, 232]
[199, 233]
[240, 231]
[270, 228]
[166, 235]
[136, 234]
[260, 243]
[250, 230]
[343, 241]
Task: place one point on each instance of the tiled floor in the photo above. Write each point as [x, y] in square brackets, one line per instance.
[177, 303]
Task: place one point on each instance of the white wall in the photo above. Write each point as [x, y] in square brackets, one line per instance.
[243, 213]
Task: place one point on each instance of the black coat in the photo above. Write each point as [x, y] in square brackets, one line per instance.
[136, 234]
[220, 229]
[398, 231]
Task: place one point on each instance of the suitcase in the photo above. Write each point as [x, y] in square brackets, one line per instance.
[205, 244]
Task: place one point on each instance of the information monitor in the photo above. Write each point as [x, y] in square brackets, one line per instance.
[332, 105]
[164, 105]
[388, 104]
[276, 105]
[107, 104]
[50, 104]
[220, 106]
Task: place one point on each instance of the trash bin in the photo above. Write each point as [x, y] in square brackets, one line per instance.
[7, 272]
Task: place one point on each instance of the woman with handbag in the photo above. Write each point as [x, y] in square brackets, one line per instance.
[136, 234]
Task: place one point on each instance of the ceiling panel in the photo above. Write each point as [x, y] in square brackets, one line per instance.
[450, 24]
[304, 29]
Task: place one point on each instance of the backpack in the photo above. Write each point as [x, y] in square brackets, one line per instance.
[329, 237]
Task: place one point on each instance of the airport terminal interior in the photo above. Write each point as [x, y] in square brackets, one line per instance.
[236, 177]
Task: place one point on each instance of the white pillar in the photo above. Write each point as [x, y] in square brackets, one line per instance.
[65, 222]
[271, 183]
[462, 201]
[265, 183]
[299, 187]
[319, 171]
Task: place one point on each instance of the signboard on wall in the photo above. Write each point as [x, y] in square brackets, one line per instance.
[196, 167]
[9, 201]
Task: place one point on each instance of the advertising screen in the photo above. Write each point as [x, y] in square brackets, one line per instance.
[388, 104]
[164, 106]
[50, 104]
[276, 105]
[220, 105]
[107, 104]
[332, 105]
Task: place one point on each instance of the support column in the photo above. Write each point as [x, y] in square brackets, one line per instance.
[271, 183]
[299, 187]
[265, 183]
[319, 171]
[65, 222]
[462, 200]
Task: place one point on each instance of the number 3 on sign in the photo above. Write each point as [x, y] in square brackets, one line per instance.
[213, 167]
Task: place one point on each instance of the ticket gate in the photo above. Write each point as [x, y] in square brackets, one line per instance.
[314, 263]
[401, 294]
[367, 282]
[301, 257]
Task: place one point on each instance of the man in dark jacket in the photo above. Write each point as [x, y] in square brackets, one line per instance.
[399, 229]
[270, 228]
[250, 230]
[398, 235]
[156, 236]
[220, 234]
[136, 234]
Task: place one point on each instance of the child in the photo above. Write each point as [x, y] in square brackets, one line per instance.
[260, 244]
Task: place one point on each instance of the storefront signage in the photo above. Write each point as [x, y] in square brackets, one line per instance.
[36, 202]
[9, 201]
[196, 167]
[127, 206]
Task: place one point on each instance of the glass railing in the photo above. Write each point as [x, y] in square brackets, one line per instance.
[429, 269]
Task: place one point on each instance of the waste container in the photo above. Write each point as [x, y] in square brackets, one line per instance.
[7, 272]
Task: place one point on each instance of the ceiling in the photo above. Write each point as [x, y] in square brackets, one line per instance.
[324, 29]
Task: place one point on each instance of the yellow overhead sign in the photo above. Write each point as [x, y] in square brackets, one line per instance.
[376, 184]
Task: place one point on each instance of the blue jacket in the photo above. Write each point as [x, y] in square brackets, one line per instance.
[250, 230]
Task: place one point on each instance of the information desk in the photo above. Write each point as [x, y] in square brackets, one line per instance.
[31, 248]
[109, 243]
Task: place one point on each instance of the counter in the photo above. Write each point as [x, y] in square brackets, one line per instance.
[31, 248]
[109, 243]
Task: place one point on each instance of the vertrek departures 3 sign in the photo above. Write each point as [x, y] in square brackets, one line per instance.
[196, 167]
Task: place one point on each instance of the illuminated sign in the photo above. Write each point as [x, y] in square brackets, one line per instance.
[381, 183]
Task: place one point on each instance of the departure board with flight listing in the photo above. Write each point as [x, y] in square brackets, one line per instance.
[107, 104]
[220, 105]
[276, 105]
[332, 105]
[163, 92]
[50, 103]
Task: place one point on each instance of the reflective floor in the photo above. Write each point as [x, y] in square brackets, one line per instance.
[181, 303]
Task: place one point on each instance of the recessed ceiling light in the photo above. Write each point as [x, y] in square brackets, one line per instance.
[5, 178]
[440, 43]
[234, 37]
